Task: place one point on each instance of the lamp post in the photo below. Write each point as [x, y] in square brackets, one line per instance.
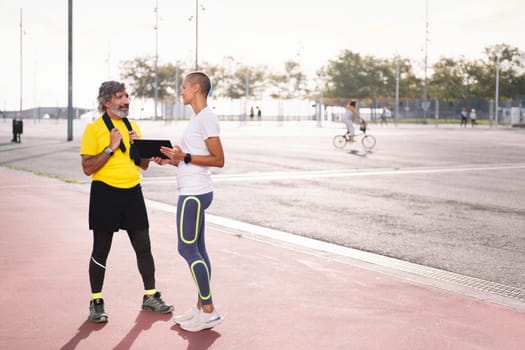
[70, 71]
[396, 109]
[425, 88]
[21, 60]
[196, 34]
[496, 107]
[156, 89]
[322, 79]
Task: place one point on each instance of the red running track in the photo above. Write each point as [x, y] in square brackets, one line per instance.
[272, 297]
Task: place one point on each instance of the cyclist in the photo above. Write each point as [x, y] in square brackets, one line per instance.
[350, 113]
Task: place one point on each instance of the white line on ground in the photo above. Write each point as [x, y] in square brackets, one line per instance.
[315, 174]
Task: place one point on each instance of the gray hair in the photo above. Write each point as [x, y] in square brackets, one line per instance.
[107, 90]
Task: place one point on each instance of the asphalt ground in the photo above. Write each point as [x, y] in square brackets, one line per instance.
[442, 197]
[272, 294]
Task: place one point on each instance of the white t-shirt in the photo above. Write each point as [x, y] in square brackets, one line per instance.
[196, 179]
[347, 116]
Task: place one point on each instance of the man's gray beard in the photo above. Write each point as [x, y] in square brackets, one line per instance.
[121, 114]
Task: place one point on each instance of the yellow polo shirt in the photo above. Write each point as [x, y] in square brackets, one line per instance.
[120, 171]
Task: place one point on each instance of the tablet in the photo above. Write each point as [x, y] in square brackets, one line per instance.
[151, 148]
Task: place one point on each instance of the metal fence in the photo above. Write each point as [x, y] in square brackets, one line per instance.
[408, 110]
[419, 111]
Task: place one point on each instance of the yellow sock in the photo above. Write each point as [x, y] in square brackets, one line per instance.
[96, 295]
[150, 292]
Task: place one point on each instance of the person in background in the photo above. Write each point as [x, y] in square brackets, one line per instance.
[473, 117]
[199, 150]
[116, 200]
[383, 117]
[464, 116]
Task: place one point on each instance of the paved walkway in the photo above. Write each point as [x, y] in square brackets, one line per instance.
[272, 297]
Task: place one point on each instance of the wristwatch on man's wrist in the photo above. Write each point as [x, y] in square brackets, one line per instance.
[187, 158]
[108, 151]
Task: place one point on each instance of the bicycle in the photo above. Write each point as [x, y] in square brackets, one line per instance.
[368, 141]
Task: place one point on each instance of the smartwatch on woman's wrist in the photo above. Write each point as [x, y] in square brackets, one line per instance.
[187, 158]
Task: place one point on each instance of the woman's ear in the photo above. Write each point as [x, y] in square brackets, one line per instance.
[196, 88]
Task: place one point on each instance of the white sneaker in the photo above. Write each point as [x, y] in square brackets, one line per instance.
[188, 315]
[202, 320]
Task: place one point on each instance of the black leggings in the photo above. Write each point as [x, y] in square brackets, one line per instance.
[101, 247]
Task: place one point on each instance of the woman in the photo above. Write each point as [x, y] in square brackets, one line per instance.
[199, 150]
[350, 113]
[473, 117]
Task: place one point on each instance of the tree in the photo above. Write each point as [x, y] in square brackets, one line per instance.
[292, 83]
[139, 73]
[351, 75]
[348, 76]
[232, 79]
[447, 81]
[345, 76]
[409, 84]
[519, 85]
[455, 80]
[511, 60]
[140, 76]
[506, 53]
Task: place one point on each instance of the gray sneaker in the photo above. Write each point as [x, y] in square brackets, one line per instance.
[96, 311]
[155, 303]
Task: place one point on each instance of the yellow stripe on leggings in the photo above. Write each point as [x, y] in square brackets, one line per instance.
[181, 225]
[203, 297]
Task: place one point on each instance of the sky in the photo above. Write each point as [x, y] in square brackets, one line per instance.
[253, 32]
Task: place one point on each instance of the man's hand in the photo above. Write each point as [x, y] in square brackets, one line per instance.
[114, 138]
[133, 136]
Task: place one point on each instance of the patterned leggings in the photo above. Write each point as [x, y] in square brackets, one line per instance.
[191, 245]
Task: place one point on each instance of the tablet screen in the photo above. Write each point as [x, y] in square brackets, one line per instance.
[151, 148]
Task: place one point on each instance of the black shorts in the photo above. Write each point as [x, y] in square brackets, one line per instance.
[111, 208]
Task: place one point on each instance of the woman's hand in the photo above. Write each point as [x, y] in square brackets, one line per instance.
[174, 155]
